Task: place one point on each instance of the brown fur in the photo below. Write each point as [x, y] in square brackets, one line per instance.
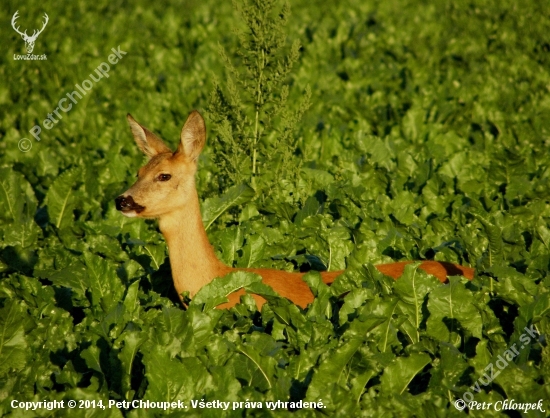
[176, 204]
[291, 285]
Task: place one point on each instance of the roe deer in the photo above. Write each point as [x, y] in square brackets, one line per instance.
[166, 190]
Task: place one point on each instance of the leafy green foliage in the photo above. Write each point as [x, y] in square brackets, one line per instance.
[426, 139]
[212, 208]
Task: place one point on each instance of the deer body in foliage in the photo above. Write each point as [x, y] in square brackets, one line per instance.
[166, 190]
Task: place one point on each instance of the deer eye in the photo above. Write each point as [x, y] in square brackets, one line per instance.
[164, 177]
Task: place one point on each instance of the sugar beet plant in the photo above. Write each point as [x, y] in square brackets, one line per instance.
[426, 139]
[253, 121]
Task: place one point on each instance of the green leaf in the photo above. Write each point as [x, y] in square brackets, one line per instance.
[253, 251]
[353, 300]
[23, 234]
[359, 382]
[91, 356]
[13, 344]
[412, 289]
[132, 341]
[18, 206]
[451, 308]
[494, 234]
[332, 371]
[60, 200]
[131, 300]
[403, 208]
[213, 207]
[105, 286]
[401, 371]
[321, 307]
[173, 379]
[156, 253]
[311, 207]
[73, 276]
[202, 326]
[11, 195]
[321, 178]
[229, 242]
[258, 370]
[513, 286]
[216, 292]
[451, 367]
[387, 323]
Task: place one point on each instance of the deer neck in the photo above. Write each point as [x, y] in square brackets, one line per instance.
[192, 258]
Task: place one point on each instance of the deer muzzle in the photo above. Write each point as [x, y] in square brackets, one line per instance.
[126, 204]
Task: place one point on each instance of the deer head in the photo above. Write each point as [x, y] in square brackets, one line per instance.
[167, 182]
[29, 40]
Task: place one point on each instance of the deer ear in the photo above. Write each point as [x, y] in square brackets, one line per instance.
[147, 141]
[193, 136]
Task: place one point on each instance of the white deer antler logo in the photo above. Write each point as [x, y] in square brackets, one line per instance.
[29, 40]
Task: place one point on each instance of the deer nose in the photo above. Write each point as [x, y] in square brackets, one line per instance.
[124, 203]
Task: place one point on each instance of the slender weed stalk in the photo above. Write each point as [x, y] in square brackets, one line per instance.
[253, 122]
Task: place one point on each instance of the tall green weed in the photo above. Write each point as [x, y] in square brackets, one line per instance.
[253, 122]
